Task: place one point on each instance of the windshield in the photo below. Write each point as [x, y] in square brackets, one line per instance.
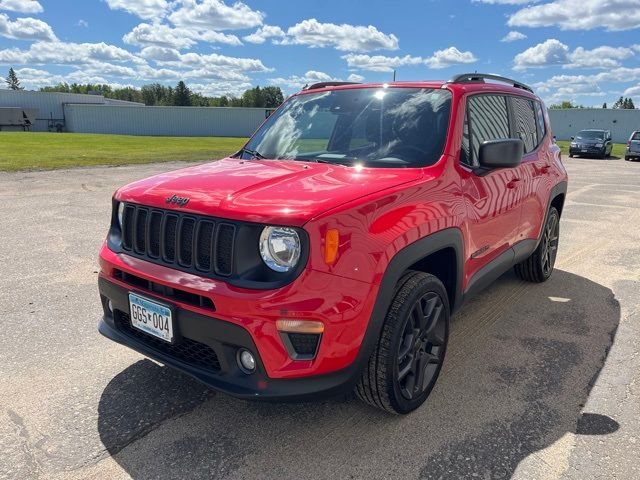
[375, 127]
[590, 135]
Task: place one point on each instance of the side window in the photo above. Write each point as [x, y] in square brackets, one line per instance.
[487, 119]
[525, 121]
[540, 117]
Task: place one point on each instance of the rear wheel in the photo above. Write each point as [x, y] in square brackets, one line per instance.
[405, 364]
[539, 266]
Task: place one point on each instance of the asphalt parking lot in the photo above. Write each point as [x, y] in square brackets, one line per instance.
[540, 381]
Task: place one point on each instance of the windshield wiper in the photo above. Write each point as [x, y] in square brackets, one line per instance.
[253, 153]
[322, 160]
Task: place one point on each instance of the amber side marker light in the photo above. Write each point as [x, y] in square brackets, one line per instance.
[299, 326]
[331, 243]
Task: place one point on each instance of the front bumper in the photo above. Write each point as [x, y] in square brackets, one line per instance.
[224, 338]
[587, 150]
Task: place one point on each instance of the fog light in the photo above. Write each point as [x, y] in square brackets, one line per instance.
[246, 360]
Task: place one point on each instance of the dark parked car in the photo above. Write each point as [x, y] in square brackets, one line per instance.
[633, 147]
[596, 143]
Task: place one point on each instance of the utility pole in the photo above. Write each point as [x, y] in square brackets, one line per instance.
[394, 75]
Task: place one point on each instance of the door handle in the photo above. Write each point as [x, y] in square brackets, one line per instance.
[513, 183]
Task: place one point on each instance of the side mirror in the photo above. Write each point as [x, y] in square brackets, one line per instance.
[503, 153]
[573, 138]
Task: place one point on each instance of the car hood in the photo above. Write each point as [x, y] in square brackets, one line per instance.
[265, 191]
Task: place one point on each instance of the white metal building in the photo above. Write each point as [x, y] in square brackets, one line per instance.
[50, 105]
[164, 121]
[81, 113]
[566, 123]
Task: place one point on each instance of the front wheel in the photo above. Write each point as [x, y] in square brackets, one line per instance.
[539, 266]
[406, 362]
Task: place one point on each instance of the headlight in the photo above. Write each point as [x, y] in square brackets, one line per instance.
[280, 248]
[120, 214]
[599, 145]
[574, 144]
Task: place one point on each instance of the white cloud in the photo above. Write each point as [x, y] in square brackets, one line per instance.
[552, 52]
[211, 62]
[157, 35]
[217, 89]
[263, 33]
[21, 6]
[580, 15]
[296, 82]
[109, 69]
[83, 23]
[25, 29]
[146, 9]
[66, 53]
[216, 15]
[33, 79]
[160, 35]
[547, 53]
[381, 63]
[353, 38]
[448, 57]
[569, 87]
[513, 36]
[145, 72]
[600, 57]
[161, 54]
[632, 91]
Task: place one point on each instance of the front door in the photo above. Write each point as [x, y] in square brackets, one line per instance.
[493, 199]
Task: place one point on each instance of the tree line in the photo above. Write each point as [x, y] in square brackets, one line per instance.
[621, 104]
[158, 94]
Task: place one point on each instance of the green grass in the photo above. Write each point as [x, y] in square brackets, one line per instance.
[46, 151]
[618, 148]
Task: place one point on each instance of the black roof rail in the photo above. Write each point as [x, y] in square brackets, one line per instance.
[480, 77]
[316, 86]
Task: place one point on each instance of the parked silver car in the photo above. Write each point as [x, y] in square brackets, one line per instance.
[633, 147]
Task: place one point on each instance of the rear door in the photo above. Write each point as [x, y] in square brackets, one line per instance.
[532, 176]
[493, 209]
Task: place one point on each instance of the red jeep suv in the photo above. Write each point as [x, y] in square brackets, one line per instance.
[330, 252]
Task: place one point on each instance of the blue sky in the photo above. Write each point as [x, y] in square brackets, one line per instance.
[587, 51]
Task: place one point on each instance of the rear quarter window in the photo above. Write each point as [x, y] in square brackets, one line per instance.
[526, 123]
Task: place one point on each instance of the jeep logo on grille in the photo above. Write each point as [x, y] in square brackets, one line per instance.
[179, 201]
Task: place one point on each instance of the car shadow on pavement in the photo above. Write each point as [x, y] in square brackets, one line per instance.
[522, 360]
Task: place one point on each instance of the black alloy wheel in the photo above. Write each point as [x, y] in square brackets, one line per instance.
[550, 243]
[406, 362]
[538, 267]
[421, 349]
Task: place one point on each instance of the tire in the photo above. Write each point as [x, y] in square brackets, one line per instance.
[571, 155]
[539, 266]
[407, 360]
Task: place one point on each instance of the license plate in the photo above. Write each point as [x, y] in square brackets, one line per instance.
[584, 151]
[151, 317]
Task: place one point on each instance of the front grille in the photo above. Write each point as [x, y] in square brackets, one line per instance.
[188, 351]
[178, 240]
[169, 292]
